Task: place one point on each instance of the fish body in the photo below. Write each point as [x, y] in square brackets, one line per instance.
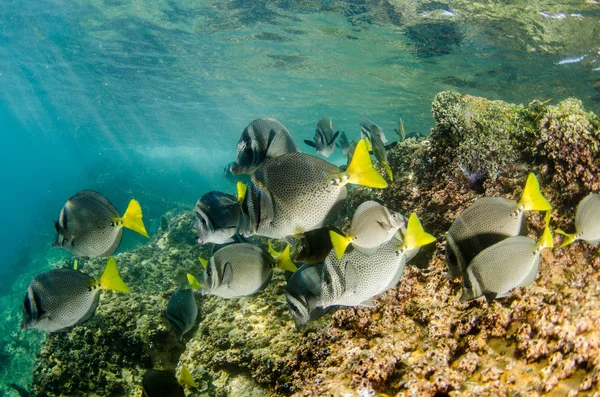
[400, 130]
[302, 294]
[511, 263]
[375, 136]
[262, 139]
[161, 384]
[342, 143]
[238, 270]
[372, 225]
[217, 217]
[313, 246]
[182, 311]
[324, 139]
[587, 221]
[370, 130]
[90, 226]
[297, 192]
[60, 298]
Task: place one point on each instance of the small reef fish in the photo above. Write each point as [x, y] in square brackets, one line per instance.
[90, 226]
[372, 225]
[380, 152]
[302, 293]
[400, 130]
[60, 298]
[217, 216]
[351, 149]
[312, 247]
[298, 192]
[324, 138]
[242, 269]
[182, 312]
[370, 129]
[511, 263]
[342, 143]
[262, 139]
[587, 222]
[161, 384]
[488, 221]
[355, 279]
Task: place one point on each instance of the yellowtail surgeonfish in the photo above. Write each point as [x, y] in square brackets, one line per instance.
[243, 269]
[312, 247]
[217, 216]
[90, 226]
[298, 192]
[262, 139]
[182, 311]
[324, 138]
[511, 263]
[356, 278]
[488, 221]
[60, 298]
[342, 143]
[372, 225]
[587, 222]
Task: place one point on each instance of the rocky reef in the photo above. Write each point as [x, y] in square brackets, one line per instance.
[419, 340]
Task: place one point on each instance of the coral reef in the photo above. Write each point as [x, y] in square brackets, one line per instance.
[419, 340]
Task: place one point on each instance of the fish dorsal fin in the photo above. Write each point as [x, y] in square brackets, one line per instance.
[227, 274]
[360, 171]
[546, 241]
[415, 235]
[241, 191]
[339, 242]
[284, 261]
[133, 218]
[111, 279]
[193, 281]
[569, 238]
[310, 143]
[532, 199]
[388, 169]
[203, 261]
[186, 378]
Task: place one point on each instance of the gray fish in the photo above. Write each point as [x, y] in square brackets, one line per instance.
[351, 149]
[377, 140]
[400, 130]
[238, 270]
[262, 139]
[298, 192]
[342, 143]
[161, 384]
[234, 178]
[312, 247]
[90, 226]
[324, 138]
[373, 224]
[371, 130]
[302, 293]
[217, 217]
[587, 222]
[511, 263]
[182, 311]
[488, 221]
[60, 298]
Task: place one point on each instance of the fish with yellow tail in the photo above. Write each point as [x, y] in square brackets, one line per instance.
[60, 298]
[587, 222]
[372, 225]
[217, 216]
[356, 278]
[324, 139]
[297, 192]
[90, 226]
[488, 221]
[242, 269]
[511, 263]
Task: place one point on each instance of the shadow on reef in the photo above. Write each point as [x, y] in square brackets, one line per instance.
[419, 339]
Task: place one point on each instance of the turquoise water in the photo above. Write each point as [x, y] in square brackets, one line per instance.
[148, 99]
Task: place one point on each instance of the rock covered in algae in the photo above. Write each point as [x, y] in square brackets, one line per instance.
[419, 340]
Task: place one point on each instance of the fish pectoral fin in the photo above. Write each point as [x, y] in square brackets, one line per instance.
[133, 218]
[368, 303]
[227, 274]
[310, 143]
[333, 138]
[111, 279]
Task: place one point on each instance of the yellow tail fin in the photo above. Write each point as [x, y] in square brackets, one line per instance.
[241, 191]
[284, 261]
[339, 242]
[111, 279]
[75, 264]
[186, 378]
[203, 261]
[193, 281]
[415, 235]
[133, 218]
[360, 171]
[546, 241]
[569, 238]
[272, 250]
[532, 199]
[388, 169]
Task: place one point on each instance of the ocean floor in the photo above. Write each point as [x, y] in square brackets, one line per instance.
[420, 340]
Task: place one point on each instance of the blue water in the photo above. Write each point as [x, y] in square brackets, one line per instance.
[148, 99]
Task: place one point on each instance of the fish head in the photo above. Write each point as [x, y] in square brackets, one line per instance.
[471, 289]
[31, 309]
[325, 150]
[298, 307]
[248, 154]
[203, 225]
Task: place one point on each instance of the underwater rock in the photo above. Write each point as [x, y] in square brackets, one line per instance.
[419, 339]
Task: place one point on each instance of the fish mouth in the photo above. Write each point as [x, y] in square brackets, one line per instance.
[235, 169]
[200, 241]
